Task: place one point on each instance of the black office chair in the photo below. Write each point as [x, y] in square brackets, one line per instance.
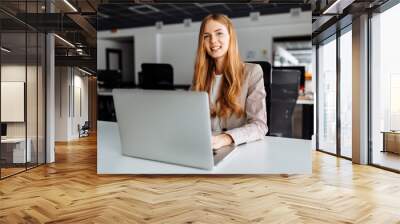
[266, 67]
[284, 94]
[84, 129]
[156, 76]
[109, 79]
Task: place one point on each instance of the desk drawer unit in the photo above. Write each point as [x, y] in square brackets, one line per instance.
[391, 142]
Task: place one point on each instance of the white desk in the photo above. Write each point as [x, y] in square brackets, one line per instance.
[309, 102]
[19, 149]
[272, 155]
[305, 100]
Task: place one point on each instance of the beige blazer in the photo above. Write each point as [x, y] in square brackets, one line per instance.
[253, 125]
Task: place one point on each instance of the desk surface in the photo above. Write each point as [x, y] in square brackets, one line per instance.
[391, 132]
[272, 155]
[304, 100]
[13, 140]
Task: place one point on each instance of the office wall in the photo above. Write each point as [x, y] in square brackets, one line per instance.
[176, 44]
[71, 87]
[62, 76]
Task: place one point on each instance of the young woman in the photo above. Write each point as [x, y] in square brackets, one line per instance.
[236, 89]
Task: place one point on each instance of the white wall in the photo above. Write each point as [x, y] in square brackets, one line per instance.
[179, 50]
[176, 44]
[13, 72]
[61, 103]
[68, 80]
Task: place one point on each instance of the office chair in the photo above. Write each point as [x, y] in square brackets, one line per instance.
[284, 94]
[156, 76]
[109, 79]
[302, 70]
[84, 130]
[266, 67]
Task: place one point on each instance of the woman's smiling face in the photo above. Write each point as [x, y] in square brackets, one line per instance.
[216, 39]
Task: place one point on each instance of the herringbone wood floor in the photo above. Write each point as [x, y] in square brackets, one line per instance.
[70, 191]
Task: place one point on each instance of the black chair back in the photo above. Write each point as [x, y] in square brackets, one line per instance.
[156, 76]
[284, 94]
[109, 79]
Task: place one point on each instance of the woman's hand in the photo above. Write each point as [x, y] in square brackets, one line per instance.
[221, 140]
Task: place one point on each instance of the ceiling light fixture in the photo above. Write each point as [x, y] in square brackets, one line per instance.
[70, 5]
[210, 4]
[86, 72]
[143, 9]
[64, 40]
[105, 16]
[337, 7]
[5, 49]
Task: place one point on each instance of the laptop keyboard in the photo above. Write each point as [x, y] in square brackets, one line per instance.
[221, 153]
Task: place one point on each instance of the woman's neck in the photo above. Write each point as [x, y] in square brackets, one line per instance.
[219, 65]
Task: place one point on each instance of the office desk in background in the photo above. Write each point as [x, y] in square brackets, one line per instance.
[272, 155]
[13, 150]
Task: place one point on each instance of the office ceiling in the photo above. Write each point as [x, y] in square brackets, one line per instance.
[126, 15]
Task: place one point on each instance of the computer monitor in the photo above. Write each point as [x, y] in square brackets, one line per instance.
[302, 70]
[3, 129]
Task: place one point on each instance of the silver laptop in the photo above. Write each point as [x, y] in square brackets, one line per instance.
[167, 126]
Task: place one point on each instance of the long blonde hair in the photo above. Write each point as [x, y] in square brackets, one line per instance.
[232, 79]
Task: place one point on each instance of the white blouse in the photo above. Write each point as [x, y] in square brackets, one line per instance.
[216, 125]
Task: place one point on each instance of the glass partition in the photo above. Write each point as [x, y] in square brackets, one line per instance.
[22, 90]
[385, 89]
[327, 96]
[41, 96]
[31, 100]
[13, 110]
[346, 93]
